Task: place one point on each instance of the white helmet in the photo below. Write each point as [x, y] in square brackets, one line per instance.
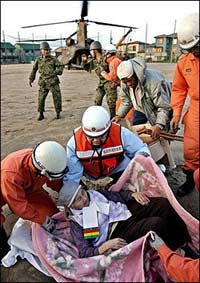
[50, 157]
[110, 48]
[125, 70]
[68, 193]
[95, 121]
[188, 31]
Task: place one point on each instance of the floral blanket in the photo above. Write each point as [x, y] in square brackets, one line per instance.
[136, 262]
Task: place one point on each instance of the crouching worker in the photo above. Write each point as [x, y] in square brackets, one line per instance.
[182, 269]
[102, 221]
[23, 173]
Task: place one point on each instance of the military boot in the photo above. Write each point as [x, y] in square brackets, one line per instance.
[57, 115]
[41, 116]
[188, 186]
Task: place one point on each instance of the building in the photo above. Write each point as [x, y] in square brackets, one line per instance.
[27, 52]
[132, 48]
[165, 49]
[8, 55]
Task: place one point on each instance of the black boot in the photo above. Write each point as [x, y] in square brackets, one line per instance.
[188, 186]
[41, 116]
[4, 244]
[57, 115]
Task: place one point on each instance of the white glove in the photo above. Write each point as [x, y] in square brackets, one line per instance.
[49, 224]
[156, 242]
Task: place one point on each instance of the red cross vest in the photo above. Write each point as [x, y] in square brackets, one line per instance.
[100, 164]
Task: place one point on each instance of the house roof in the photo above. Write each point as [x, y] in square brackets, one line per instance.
[134, 42]
[28, 46]
[166, 35]
[7, 45]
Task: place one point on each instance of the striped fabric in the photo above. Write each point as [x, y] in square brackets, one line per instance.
[91, 233]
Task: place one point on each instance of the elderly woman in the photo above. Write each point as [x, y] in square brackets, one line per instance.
[101, 221]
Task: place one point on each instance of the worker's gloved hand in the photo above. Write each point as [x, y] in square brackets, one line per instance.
[30, 83]
[156, 241]
[174, 124]
[49, 224]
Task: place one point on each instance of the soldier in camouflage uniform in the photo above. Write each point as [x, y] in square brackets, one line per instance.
[104, 87]
[49, 68]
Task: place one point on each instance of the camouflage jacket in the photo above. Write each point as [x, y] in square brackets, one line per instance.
[94, 64]
[49, 69]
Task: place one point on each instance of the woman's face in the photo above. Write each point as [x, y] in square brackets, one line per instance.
[81, 200]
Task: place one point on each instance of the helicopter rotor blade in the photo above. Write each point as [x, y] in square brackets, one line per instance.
[48, 24]
[107, 24]
[47, 39]
[84, 11]
[42, 39]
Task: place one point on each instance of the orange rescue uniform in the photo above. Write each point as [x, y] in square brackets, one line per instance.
[113, 63]
[186, 82]
[182, 269]
[21, 188]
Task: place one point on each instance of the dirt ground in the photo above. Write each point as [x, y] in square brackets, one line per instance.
[20, 129]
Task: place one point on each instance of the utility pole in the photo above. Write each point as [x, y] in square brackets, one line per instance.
[98, 36]
[4, 43]
[171, 54]
[111, 37]
[18, 36]
[145, 46]
[61, 40]
[33, 47]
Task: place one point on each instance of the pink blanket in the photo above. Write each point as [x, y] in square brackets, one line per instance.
[136, 262]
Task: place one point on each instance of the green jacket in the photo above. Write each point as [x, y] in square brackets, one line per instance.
[49, 69]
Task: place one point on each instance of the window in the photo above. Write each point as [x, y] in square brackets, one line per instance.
[160, 40]
[134, 48]
[159, 50]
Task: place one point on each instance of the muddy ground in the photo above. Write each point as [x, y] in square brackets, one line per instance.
[20, 129]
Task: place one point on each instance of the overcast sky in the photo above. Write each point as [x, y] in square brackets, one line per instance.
[160, 17]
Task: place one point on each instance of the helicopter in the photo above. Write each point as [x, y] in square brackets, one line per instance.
[70, 55]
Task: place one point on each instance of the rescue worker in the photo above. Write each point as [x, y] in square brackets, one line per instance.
[49, 68]
[180, 268]
[186, 84]
[104, 87]
[101, 148]
[147, 92]
[23, 173]
[113, 62]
